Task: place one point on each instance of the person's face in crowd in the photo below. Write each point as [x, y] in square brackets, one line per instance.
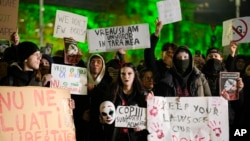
[167, 57]
[214, 56]
[240, 64]
[247, 71]
[33, 62]
[127, 76]
[96, 65]
[148, 80]
[182, 55]
[44, 66]
[45, 62]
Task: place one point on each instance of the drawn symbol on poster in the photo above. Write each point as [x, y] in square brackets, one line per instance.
[240, 30]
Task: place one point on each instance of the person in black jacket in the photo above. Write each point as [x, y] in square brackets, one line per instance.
[23, 72]
[211, 69]
[184, 79]
[161, 66]
[128, 91]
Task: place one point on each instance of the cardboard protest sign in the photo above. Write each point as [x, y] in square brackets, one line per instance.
[187, 118]
[8, 18]
[169, 11]
[35, 113]
[236, 30]
[70, 25]
[69, 77]
[114, 38]
[130, 117]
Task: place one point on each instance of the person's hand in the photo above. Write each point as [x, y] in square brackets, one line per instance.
[121, 51]
[90, 86]
[46, 78]
[240, 84]
[150, 95]
[158, 27]
[233, 48]
[15, 38]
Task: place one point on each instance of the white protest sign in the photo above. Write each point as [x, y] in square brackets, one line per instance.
[236, 30]
[130, 117]
[114, 38]
[69, 77]
[70, 25]
[169, 11]
[187, 118]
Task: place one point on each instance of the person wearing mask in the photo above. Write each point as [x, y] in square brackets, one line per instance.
[211, 69]
[23, 72]
[161, 66]
[183, 79]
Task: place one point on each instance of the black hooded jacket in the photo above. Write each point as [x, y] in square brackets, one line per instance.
[191, 80]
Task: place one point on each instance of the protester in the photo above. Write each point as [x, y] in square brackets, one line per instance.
[161, 66]
[211, 69]
[128, 91]
[23, 72]
[184, 79]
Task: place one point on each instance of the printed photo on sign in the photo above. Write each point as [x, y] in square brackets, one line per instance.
[72, 54]
[113, 38]
[70, 25]
[169, 11]
[228, 85]
[187, 118]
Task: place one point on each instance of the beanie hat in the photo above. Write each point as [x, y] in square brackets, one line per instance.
[25, 49]
[48, 57]
[213, 50]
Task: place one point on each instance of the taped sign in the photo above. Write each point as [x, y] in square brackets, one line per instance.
[236, 30]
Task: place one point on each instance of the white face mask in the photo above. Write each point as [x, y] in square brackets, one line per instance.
[107, 111]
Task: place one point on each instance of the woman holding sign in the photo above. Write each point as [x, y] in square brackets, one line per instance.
[128, 91]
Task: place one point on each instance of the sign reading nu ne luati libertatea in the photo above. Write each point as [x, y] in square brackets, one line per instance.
[35, 114]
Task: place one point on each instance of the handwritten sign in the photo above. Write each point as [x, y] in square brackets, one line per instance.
[236, 30]
[169, 11]
[70, 25]
[69, 77]
[35, 114]
[130, 117]
[8, 18]
[113, 38]
[187, 118]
